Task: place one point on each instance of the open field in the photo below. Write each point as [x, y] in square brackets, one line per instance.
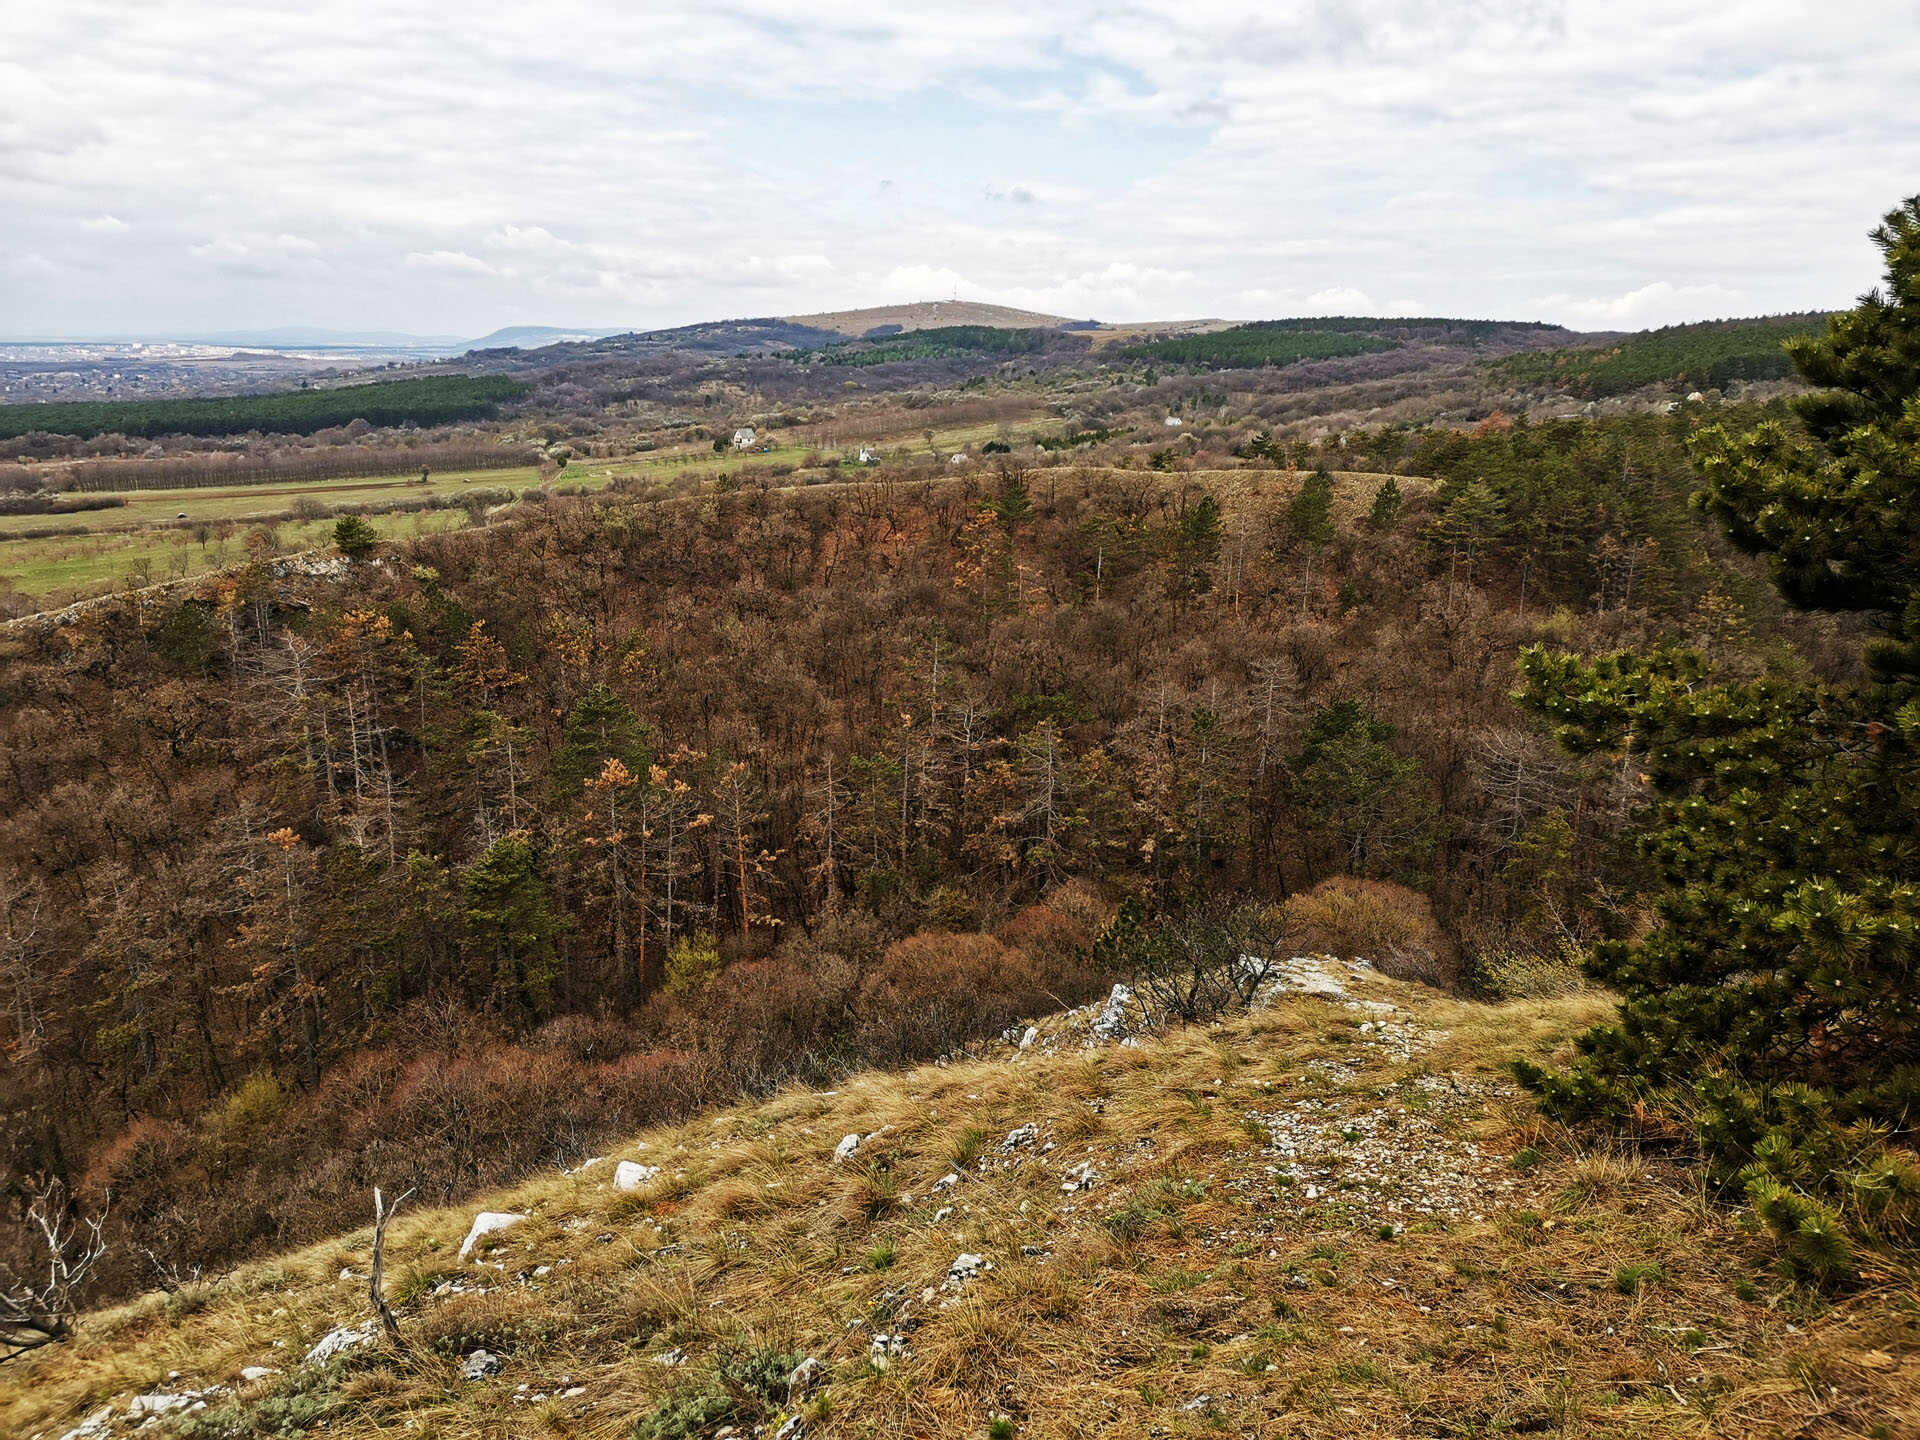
[172, 534]
[145, 509]
[91, 564]
[1329, 1218]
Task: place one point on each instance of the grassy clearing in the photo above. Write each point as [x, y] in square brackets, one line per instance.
[85, 564]
[147, 539]
[237, 503]
[1206, 1282]
[703, 460]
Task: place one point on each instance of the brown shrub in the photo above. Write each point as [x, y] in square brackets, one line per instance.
[1081, 902]
[1044, 934]
[935, 990]
[1389, 925]
[769, 1021]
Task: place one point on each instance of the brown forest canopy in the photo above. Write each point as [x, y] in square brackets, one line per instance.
[573, 821]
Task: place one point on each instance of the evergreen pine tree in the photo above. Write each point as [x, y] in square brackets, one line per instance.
[354, 537]
[1311, 513]
[1774, 1010]
[1386, 505]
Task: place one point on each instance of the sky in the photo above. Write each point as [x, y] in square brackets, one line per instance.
[172, 166]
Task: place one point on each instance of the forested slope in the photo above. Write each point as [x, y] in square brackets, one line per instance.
[568, 824]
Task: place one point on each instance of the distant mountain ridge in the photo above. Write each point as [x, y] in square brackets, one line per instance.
[528, 337]
[928, 315]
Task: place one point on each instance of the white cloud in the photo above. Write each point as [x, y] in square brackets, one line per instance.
[1660, 303]
[31, 266]
[455, 262]
[1599, 162]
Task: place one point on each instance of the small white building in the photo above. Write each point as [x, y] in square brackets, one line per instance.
[1174, 422]
[743, 438]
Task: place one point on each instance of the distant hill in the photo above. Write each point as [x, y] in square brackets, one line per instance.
[527, 337]
[1704, 356]
[767, 335]
[1326, 337]
[927, 315]
[944, 342]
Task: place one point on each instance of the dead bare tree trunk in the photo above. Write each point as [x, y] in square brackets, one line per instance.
[382, 1213]
[39, 1310]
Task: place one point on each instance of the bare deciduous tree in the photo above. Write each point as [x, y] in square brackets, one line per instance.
[37, 1308]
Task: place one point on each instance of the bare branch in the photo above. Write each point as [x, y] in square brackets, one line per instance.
[38, 1308]
[382, 1214]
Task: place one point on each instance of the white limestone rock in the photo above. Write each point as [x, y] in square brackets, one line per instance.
[1112, 1021]
[966, 1267]
[808, 1376]
[339, 1340]
[631, 1174]
[487, 1222]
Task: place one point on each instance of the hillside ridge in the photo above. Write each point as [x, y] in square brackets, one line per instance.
[1328, 1215]
[927, 315]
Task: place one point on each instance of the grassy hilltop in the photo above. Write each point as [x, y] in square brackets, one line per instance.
[1330, 1216]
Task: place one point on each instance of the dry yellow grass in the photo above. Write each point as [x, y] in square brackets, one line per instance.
[1192, 1290]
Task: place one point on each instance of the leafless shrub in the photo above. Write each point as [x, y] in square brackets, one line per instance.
[1201, 964]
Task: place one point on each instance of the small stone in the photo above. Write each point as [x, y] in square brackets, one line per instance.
[146, 1406]
[965, 1267]
[479, 1365]
[843, 1152]
[806, 1378]
[94, 1427]
[631, 1175]
[340, 1340]
[253, 1374]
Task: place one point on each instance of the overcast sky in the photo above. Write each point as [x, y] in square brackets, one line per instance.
[446, 168]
